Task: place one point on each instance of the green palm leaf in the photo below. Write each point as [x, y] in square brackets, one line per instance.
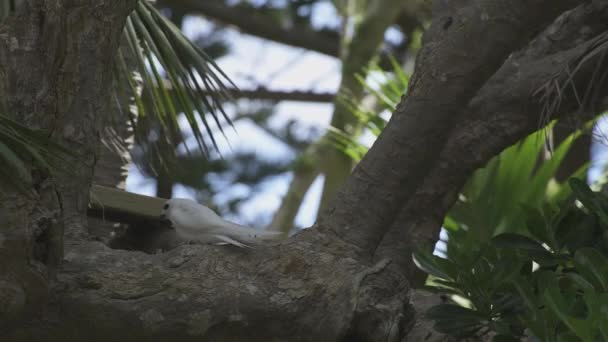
[192, 83]
[21, 147]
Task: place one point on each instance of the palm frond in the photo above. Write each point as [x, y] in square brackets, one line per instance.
[387, 88]
[178, 77]
[21, 147]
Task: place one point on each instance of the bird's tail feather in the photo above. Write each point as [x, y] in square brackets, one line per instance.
[230, 241]
[251, 235]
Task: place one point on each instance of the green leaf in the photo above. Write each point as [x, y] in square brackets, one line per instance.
[458, 327]
[455, 320]
[441, 290]
[505, 270]
[536, 223]
[576, 229]
[506, 302]
[505, 338]
[22, 148]
[434, 265]
[525, 290]
[591, 200]
[579, 280]
[452, 311]
[568, 337]
[559, 305]
[510, 240]
[590, 262]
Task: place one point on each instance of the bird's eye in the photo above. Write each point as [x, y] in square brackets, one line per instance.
[166, 206]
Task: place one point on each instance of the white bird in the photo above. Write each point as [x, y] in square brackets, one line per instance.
[195, 222]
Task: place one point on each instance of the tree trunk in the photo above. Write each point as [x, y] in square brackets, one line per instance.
[112, 166]
[54, 58]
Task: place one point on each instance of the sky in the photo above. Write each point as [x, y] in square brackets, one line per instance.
[255, 62]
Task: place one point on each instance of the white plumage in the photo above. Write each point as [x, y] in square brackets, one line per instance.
[195, 222]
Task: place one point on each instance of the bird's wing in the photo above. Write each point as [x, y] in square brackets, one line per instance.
[231, 241]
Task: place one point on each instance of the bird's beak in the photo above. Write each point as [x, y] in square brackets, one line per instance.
[163, 217]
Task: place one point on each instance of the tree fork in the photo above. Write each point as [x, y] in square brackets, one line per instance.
[502, 112]
[447, 75]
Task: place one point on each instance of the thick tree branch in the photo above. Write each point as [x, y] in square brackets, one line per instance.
[218, 293]
[459, 55]
[327, 43]
[501, 113]
[261, 93]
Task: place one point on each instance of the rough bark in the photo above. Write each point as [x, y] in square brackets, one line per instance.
[294, 291]
[54, 58]
[112, 166]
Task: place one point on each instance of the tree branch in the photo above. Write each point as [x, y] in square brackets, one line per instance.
[248, 22]
[501, 113]
[262, 93]
[446, 77]
[218, 293]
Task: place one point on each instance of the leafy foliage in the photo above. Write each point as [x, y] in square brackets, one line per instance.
[387, 89]
[549, 280]
[21, 147]
[497, 197]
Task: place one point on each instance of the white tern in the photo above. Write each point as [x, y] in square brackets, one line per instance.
[195, 222]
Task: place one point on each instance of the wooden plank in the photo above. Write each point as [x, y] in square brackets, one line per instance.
[123, 206]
